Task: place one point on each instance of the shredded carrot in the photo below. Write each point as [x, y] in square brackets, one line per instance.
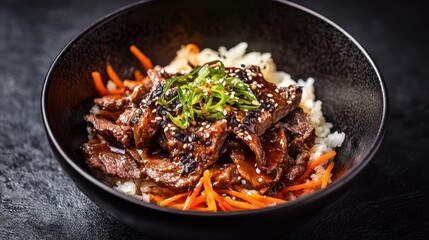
[308, 185]
[155, 198]
[261, 198]
[170, 200]
[239, 204]
[145, 61]
[323, 158]
[190, 199]
[192, 48]
[138, 75]
[316, 163]
[211, 204]
[114, 77]
[99, 86]
[325, 178]
[244, 197]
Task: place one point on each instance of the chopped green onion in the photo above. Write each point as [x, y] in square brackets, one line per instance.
[205, 93]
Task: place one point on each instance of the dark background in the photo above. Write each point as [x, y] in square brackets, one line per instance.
[38, 201]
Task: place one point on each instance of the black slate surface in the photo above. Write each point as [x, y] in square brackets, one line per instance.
[38, 201]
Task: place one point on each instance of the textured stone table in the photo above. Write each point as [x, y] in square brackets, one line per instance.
[38, 201]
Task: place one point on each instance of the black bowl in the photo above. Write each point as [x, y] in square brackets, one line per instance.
[302, 43]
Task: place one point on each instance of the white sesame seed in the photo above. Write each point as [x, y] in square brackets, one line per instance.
[259, 119]
[185, 146]
[154, 111]
[269, 95]
[277, 90]
[258, 171]
[158, 118]
[165, 129]
[260, 179]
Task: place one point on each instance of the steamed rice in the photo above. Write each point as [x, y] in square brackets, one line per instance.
[235, 57]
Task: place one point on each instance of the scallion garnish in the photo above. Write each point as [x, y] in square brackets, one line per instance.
[206, 93]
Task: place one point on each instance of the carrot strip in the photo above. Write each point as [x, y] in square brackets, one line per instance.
[99, 85]
[145, 61]
[155, 198]
[323, 158]
[170, 200]
[239, 204]
[244, 197]
[261, 198]
[191, 198]
[211, 204]
[326, 175]
[138, 75]
[192, 48]
[316, 163]
[114, 77]
[307, 185]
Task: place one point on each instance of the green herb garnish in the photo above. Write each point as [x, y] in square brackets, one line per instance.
[206, 93]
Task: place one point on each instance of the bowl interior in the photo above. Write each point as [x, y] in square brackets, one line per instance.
[301, 44]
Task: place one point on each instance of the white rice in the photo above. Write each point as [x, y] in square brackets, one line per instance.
[235, 57]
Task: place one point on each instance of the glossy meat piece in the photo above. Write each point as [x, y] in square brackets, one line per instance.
[120, 135]
[274, 144]
[111, 161]
[298, 166]
[276, 103]
[146, 126]
[225, 176]
[112, 103]
[191, 151]
[298, 125]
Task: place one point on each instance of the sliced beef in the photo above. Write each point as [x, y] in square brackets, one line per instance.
[301, 154]
[298, 125]
[120, 135]
[191, 151]
[112, 103]
[147, 125]
[274, 144]
[111, 161]
[225, 176]
[276, 103]
[167, 173]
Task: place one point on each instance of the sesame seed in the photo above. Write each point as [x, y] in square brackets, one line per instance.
[165, 129]
[158, 118]
[269, 95]
[185, 146]
[154, 111]
[258, 171]
[259, 119]
[277, 90]
[260, 179]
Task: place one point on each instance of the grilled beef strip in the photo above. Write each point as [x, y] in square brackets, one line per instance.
[111, 160]
[191, 152]
[274, 144]
[276, 103]
[119, 135]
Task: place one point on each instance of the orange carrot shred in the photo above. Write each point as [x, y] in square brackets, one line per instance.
[155, 198]
[114, 77]
[191, 198]
[145, 61]
[192, 48]
[138, 75]
[267, 199]
[244, 197]
[99, 85]
[308, 185]
[211, 204]
[325, 178]
[172, 199]
[316, 163]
